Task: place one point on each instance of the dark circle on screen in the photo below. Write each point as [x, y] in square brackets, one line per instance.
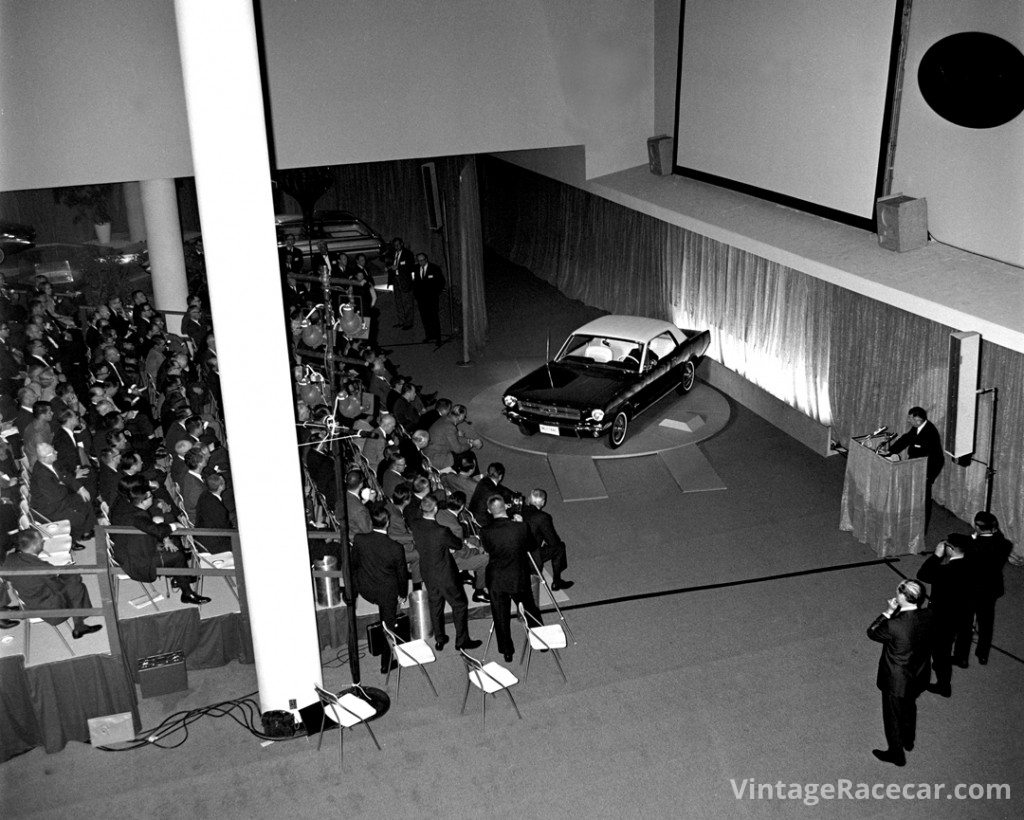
[973, 79]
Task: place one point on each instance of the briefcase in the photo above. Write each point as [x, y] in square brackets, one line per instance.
[376, 640]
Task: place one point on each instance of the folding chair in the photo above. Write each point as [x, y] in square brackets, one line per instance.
[345, 712]
[489, 678]
[409, 653]
[16, 600]
[120, 576]
[549, 637]
[212, 560]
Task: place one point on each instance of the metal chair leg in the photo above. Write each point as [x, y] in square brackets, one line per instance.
[513, 703]
[554, 654]
[28, 642]
[341, 747]
[64, 640]
[490, 635]
[529, 658]
[368, 729]
[398, 688]
[427, 676]
[465, 697]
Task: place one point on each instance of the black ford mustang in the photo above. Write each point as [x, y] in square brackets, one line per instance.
[607, 372]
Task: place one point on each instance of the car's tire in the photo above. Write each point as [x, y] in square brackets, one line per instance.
[688, 378]
[526, 428]
[619, 430]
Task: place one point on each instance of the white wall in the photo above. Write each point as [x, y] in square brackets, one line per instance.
[973, 179]
[91, 90]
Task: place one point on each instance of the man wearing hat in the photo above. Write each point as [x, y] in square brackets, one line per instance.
[951, 580]
[905, 632]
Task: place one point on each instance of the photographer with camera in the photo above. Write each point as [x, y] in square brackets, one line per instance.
[952, 582]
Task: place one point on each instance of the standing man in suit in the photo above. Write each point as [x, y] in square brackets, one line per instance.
[905, 632]
[550, 547]
[380, 574]
[921, 441]
[435, 544]
[507, 544]
[48, 591]
[952, 589]
[427, 284]
[400, 278]
[355, 510]
[988, 553]
[290, 257]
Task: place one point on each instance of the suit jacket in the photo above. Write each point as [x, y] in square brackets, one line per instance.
[988, 555]
[9, 367]
[50, 494]
[434, 544]
[507, 544]
[445, 440]
[191, 488]
[67, 450]
[107, 483]
[212, 513]
[36, 432]
[358, 516]
[429, 282]
[404, 264]
[922, 444]
[952, 585]
[405, 414]
[373, 448]
[906, 638]
[138, 553]
[378, 567]
[541, 527]
[41, 591]
[485, 488]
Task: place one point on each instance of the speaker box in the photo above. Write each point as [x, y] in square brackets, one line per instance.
[162, 674]
[962, 393]
[659, 154]
[428, 175]
[902, 222]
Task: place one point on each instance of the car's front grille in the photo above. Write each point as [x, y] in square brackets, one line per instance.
[550, 411]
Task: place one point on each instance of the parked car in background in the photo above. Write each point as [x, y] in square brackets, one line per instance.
[15, 238]
[606, 373]
[94, 271]
[342, 231]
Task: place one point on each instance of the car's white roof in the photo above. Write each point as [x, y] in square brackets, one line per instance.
[634, 328]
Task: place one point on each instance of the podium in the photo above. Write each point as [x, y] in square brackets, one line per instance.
[883, 501]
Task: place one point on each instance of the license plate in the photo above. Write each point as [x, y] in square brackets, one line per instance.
[550, 429]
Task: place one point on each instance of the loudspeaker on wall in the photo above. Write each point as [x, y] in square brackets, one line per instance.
[902, 222]
[962, 393]
[659, 154]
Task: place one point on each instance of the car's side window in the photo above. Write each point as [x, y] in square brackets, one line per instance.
[661, 346]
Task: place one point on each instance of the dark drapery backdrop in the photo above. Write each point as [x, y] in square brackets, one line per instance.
[839, 357]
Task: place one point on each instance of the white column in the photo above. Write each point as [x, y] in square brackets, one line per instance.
[133, 205]
[229, 152]
[166, 257]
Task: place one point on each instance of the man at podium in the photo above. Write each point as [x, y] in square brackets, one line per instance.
[920, 441]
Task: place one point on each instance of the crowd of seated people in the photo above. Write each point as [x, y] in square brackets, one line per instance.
[95, 406]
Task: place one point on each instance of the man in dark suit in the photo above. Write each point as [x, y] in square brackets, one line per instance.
[290, 257]
[952, 588]
[434, 544]
[58, 495]
[140, 554]
[487, 486]
[921, 441]
[71, 453]
[905, 632]
[212, 513]
[48, 591]
[550, 547]
[427, 284]
[988, 552]
[507, 544]
[380, 573]
[355, 510]
[400, 278]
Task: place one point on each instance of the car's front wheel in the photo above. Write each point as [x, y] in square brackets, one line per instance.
[526, 428]
[620, 426]
[689, 376]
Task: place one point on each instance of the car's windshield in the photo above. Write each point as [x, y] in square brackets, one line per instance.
[621, 354]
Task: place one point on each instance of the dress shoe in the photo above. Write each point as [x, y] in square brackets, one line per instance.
[481, 597]
[938, 689]
[8, 624]
[193, 598]
[77, 547]
[908, 746]
[961, 664]
[508, 656]
[390, 668]
[470, 644]
[89, 535]
[466, 577]
[440, 642]
[896, 758]
[561, 583]
[85, 630]
[982, 659]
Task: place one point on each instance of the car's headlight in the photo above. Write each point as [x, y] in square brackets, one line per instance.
[510, 401]
[597, 415]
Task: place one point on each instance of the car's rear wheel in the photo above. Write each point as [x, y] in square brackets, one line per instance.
[619, 429]
[689, 376]
[526, 428]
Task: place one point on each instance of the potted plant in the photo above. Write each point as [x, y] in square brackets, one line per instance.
[91, 202]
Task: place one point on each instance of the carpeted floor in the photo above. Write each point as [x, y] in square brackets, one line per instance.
[684, 683]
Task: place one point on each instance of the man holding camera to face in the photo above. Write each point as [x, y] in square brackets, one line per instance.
[905, 631]
[952, 580]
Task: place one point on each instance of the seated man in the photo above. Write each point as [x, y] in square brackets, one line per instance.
[140, 554]
[550, 546]
[48, 591]
[448, 440]
[58, 496]
[471, 558]
[211, 513]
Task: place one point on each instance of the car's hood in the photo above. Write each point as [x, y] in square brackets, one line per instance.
[569, 384]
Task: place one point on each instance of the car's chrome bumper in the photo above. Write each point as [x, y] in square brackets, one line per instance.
[580, 429]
